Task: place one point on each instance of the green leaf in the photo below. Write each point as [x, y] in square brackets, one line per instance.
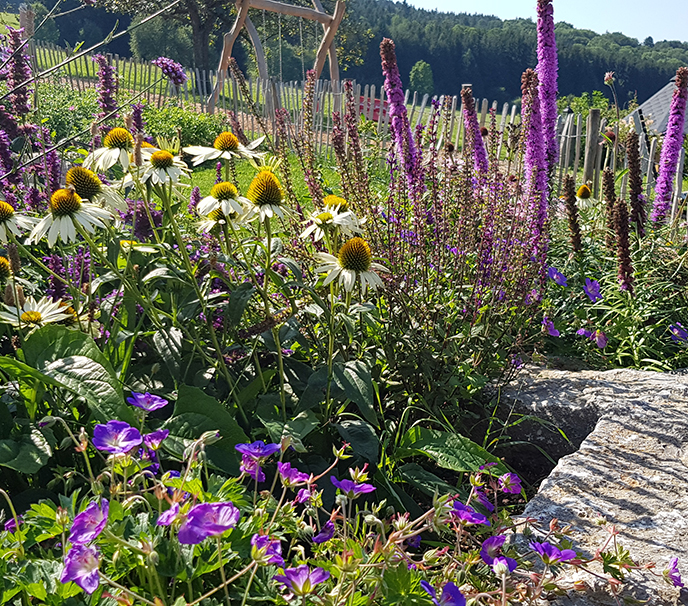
[238, 300]
[168, 342]
[195, 413]
[362, 438]
[448, 450]
[353, 378]
[424, 481]
[27, 454]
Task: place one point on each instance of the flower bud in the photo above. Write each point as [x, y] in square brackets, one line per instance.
[371, 520]
[97, 487]
[47, 422]
[580, 585]
[153, 558]
[62, 517]
[341, 500]
[210, 437]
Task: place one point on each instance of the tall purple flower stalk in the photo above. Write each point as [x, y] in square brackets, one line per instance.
[18, 72]
[56, 288]
[635, 183]
[106, 87]
[137, 123]
[473, 135]
[673, 140]
[547, 74]
[400, 125]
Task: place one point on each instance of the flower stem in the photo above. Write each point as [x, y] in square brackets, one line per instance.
[222, 570]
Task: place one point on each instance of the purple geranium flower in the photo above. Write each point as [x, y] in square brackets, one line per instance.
[502, 566]
[672, 573]
[155, 438]
[291, 476]
[303, 495]
[266, 551]
[258, 450]
[89, 523]
[81, 567]
[481, 497]
[592, 289]
[510, 483]
[678, 333]
[147, 401]
[467, 515]
[350, 488]
[252, 467]
[451, 594]
[325, 534]
[557, 276]
[549, 326]
[167, 517]
[207, 520]
[597, 336]
[11, 524]
[302, 580]
[551, 554]
[491, 551]
[116, 437]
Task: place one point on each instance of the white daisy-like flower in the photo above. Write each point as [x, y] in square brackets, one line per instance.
[161, 167]
[335, 202]
[225, 196]
[67, 209]
[331, 218]
[218, 217]
[11, 222]
[88, 186]
[353, 262]
[226, 146]
[266, 197]
[116, 147]
[35, 313]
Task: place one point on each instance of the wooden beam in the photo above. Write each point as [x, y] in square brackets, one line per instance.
[294, 11]
[332, 51]
[328, 38]
[227, 44]
[258, 47]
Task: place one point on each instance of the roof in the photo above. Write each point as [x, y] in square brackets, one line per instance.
[656, 110]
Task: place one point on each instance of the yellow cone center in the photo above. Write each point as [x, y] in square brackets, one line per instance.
[355, 255]
[265, 189]
[31, 317]
[119, 138]
[84, 181]
[162, 159]
[65, 202]
[226, 142]
[336, 201]
[224, 191]
[6, 211]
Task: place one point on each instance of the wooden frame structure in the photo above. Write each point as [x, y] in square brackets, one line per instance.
[327, 47]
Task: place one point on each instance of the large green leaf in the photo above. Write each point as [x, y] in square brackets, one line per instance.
[353, 378]
[168, 342]
[423, 480]
[26, 454]
[448, 450]
[195, 413]
[362, 438]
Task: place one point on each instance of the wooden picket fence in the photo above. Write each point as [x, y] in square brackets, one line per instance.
[143, 81]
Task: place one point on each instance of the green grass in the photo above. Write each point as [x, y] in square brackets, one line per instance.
[10, 19]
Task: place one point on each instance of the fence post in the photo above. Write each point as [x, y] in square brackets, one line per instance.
[592, 131]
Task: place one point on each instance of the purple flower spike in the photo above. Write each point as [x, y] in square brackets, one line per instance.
[350, 488]
[252, 467]
[678, 333]
[89, 523]
[549, 326]
[451, 594]
[81, 567]
[171, 69]
[592, 289]
[510, 483]
[258, 450]
[672, 574]
[207, 520]
[552, 555]
[167, 517]
[325, 534]
[467, 515]
[555, 275]
[116, 437]
[147, 401]
[291, 476]
[155, 438]
[302, 580]
[266, 551]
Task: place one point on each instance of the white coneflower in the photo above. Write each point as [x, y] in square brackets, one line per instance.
[225, 196]
[226, 146]
[353, 262]
[36, 313]
[336, 202]
[219, 217]
[331, 218]
[116, 147]
[89, 187]
[266, 195]
[67, 209]
[161, 167]
[11, 222]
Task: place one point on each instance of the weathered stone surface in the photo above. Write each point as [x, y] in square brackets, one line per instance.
[632, 468]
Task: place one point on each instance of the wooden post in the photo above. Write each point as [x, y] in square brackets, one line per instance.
[592, 132]
[328, 38]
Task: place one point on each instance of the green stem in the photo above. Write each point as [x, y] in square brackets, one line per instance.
[136, 596]
[222, 570]
[248, 586]
[16, 518]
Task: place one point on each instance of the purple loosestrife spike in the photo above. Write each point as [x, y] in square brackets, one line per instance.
[350, 488]
[81, 567]
[592, 289]
[116, 437]
[551, 554]
[137, 122]
[474, 137]
[572, 213]
[302, 580]
[147, 401]
[266, 551]
[451, 594]
[636, 200]
[510, 483]
[673, 140]
[325, 534]
[171, 70]
[89, 523]
[57, 289]
[18, 72]
[207, 520]
[623, 247]
[218, 173]
[106, 87]
[194, 199]
[609, 194]
[672, 574]
[465, 515]
[547, 74]
[678, 333]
